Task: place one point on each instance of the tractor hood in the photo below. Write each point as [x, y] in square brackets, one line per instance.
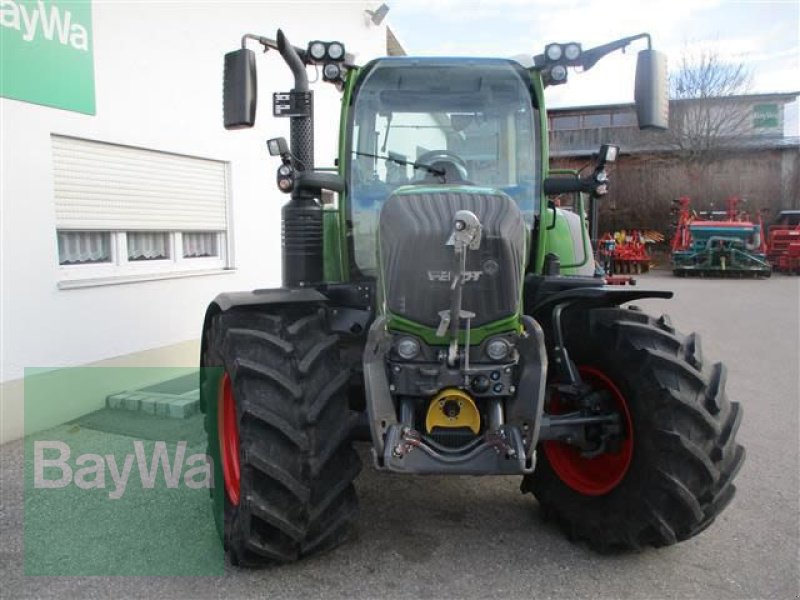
[418, 263]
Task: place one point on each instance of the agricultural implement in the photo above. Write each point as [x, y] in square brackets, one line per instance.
[783, 248]
[435, 306]
[624, 253]
[731, 247]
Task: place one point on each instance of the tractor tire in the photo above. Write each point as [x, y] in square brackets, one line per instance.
[284, 463]
[673, 472]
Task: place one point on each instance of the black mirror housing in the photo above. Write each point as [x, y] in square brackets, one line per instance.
[239, 89]
[608, 154]
[651, 90]
[277, 146]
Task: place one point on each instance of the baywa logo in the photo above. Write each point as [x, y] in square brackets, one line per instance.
[89, 470]
[34, 22]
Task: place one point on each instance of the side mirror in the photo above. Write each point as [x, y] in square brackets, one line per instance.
[239, 89]
[607, 154]
[278, 147]
[651, 91]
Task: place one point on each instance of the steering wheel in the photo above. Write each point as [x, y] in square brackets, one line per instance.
[454, 167]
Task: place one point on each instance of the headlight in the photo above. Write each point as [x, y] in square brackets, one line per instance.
[407, 348]
[316, 50]
[553, 52]
[572, 51]
[498, 349]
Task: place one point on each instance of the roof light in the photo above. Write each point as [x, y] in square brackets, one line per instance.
[558, 73]
[316, 50]
[331, 72]
[553, 52]
[335, 51]
[572, 51]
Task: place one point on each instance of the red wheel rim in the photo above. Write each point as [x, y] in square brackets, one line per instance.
[601, 474]
[228, 429]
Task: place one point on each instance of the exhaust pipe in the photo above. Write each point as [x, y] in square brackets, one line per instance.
[301, 218]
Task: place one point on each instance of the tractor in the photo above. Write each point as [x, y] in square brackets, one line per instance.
[438, 306]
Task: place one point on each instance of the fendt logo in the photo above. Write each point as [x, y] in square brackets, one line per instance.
[448, 276]
[37, 21]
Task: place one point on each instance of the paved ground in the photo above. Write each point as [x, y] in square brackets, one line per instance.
[478, 537]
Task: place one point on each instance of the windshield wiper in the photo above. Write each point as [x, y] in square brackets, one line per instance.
[400, 161]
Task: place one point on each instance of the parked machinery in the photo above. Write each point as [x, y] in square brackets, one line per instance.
[626, 252]
[783, 248]
[731, 247]
[437, 303]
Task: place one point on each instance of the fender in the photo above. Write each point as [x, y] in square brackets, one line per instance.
[266, 297]
[541, 294]
[593, 297]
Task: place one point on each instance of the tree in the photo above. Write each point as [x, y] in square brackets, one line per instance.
[708, 116]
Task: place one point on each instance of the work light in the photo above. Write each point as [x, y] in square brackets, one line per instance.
[572, 51]
[553, 52]
[335, 51]
[316, 50]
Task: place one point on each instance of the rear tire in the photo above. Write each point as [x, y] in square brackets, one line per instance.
[295, 461]
[684, 453]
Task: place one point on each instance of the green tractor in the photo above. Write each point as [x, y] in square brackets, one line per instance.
[435, 304]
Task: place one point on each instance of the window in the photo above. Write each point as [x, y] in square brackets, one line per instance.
[593, 121]
[561, 123]
[83, 247]
[413, 111]
[127, 213]
[624, 119]
[144, 245]
[200, 244]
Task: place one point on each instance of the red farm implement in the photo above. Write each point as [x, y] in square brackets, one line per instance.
[783, 249]
[626, 252]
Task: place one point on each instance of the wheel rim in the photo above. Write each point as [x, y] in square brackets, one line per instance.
[601, 474]
[228, 429]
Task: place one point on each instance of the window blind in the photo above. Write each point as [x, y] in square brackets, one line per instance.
[101, 186]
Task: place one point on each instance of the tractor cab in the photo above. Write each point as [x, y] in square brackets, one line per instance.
[436, 122]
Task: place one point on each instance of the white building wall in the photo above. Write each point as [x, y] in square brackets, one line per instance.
[158, 81]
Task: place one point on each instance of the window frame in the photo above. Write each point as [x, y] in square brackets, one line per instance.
[121, 268]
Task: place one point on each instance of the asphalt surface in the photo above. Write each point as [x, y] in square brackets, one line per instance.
[480, 538]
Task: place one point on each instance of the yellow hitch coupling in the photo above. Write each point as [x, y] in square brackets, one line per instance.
[452, 408]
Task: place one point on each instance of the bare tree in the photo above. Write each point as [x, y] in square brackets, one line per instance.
[708, 116]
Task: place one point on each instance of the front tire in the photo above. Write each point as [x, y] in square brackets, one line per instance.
[284, 468]
[681, 431]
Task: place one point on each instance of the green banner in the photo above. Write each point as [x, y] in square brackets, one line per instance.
[765, 116]
[46, 53]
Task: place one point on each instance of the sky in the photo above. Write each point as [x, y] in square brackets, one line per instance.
[764, 35]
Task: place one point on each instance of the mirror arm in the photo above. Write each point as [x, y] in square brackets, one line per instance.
[590, 57]
[316, 181]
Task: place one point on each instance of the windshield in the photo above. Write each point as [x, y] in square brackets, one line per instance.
[470, 121]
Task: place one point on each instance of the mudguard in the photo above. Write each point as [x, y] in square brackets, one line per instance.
[266, 297]
[593, 297]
